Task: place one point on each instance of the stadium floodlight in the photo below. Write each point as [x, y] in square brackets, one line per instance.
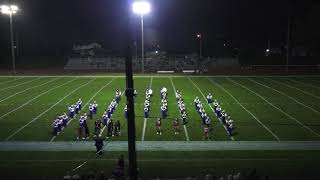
[199, 36]
[10, 10]
[141, 8]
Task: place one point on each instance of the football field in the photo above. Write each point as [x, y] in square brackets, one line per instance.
[263, 108]
[276, 120]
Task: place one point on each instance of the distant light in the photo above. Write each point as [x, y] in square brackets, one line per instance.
[199, 35]
[4, 7]
[12, 9]
[267, 50]
[224, 44]
[157, 52]
[141, 7]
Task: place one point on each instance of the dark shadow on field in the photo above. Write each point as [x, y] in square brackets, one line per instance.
[155, 118]
[235, 134]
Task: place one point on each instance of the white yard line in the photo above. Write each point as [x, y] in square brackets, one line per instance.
[184, 126]
[25, 82]
[306, 84]
[271, 132]
[44, 112]
[145, 119]
[8, 97]
[314, 80]
[104, 127]
[79, 166]
[39, 95]
[5, 82]
[288, 115]
[144, 128]
[231, 137]
[285, 84]
[296, 101]
[106, 85]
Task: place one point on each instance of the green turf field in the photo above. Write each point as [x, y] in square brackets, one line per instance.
[263, 108]
[276, 164]
[269, 108]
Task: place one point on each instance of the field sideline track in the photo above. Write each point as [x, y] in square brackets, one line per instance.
[161, 76]
[161, 145]
[149, 160]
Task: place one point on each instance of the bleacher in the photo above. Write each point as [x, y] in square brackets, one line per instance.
[151, 63]
[78, 63]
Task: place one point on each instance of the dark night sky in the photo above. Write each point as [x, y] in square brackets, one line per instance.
[45, 26]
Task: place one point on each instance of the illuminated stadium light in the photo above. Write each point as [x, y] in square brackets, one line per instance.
[199, 36]
[12, 9]
[141, 7]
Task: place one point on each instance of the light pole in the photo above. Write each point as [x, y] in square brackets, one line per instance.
[10, 10]
[289, 36]
[136, 50]
[141, 8]
[199, 36]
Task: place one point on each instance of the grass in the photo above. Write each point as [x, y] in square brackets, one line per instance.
[263, 109]
[275, 164]
[270, 102]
